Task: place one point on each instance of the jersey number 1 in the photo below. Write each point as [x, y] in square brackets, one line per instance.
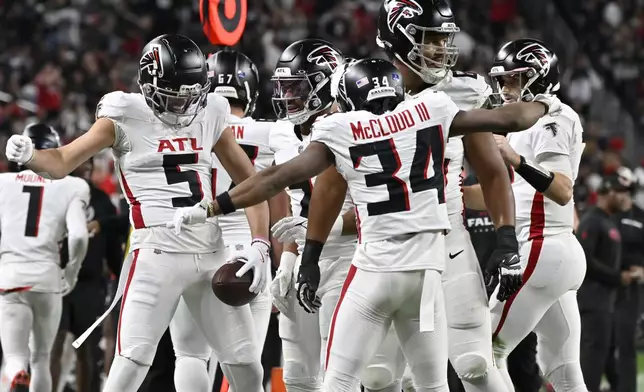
[429, 141]
[33, 209]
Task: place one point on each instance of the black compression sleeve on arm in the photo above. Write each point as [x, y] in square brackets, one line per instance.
[535, 175]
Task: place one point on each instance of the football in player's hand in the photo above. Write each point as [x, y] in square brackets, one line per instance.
[230, 289]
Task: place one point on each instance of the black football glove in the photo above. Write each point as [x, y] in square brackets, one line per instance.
[308, 280]
[504, 266]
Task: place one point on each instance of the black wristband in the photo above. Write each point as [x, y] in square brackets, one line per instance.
[312, 252]
[506, 238]
[225, 203]
[536, 176]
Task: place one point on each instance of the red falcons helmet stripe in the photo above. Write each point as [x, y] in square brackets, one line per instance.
[397, 9]
[151, 62]
[324, 55]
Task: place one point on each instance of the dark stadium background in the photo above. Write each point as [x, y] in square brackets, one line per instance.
[58, 57]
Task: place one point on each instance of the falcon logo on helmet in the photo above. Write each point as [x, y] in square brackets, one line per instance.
[324, 55]
[536, 53]
[151, 62]
[397, 9]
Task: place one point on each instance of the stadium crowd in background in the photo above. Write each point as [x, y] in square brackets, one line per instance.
[59, 57]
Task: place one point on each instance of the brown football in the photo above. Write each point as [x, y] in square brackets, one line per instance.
[230, 289]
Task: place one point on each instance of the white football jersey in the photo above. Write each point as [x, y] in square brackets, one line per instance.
[286, 146]
[393, 164]
[469, 91]
[161, 168]
[537, 215]
[33, 214]
[253, 137]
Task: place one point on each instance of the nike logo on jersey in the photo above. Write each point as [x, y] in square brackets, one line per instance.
[453, 256]
[179, 144]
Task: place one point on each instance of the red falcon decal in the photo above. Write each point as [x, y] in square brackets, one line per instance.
[151, 62]
[535, 53]
[397, 9]
[324, 55]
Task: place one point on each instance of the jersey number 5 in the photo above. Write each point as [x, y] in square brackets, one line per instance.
[33, 209]
[429, 141]
[174, 175]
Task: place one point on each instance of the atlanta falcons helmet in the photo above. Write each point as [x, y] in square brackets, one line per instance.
[302, 79]
[374, 85]
[234, 76]
[173, 78]
[535, 66]
[409, 30]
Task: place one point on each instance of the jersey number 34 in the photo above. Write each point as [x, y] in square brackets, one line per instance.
[429, 141]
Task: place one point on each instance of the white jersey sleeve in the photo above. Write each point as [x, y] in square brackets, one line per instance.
[469, 91]
[33, 214]
[114, 106]
[218, 115]
[253, 138]
[551, 138]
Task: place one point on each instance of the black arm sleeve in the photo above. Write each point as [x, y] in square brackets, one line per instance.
[588, 233]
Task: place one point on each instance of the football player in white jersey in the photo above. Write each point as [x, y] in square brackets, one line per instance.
[162, 141]
[546, 160]
[35, 214]
[302, 93]
[387, 162]
[418, 40]
[233, 76]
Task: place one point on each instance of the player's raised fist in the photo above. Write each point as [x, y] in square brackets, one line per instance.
[19, 149]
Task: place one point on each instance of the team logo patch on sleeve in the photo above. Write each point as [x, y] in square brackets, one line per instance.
[151, 62]
[397, 9]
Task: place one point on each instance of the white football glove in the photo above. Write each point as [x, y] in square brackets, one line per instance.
[283, 282]
[293, 228]
[255, 258]
[19, 149]
[189, 216]
[553, 103]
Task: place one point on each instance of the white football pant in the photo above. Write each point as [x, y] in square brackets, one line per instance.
[28, 327]
[554, 268]
[154, 285]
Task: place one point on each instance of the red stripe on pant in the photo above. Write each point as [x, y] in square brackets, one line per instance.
[345, 288]
[127, 287]
[537, 223]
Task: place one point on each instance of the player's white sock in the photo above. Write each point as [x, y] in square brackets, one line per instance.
[191, 375]
[40, 375]
[492, 382]
[567, 378]
[392, 388]
[303, 386]
[246, 377]
[212, 370]
[506, 378]
[125, 375]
